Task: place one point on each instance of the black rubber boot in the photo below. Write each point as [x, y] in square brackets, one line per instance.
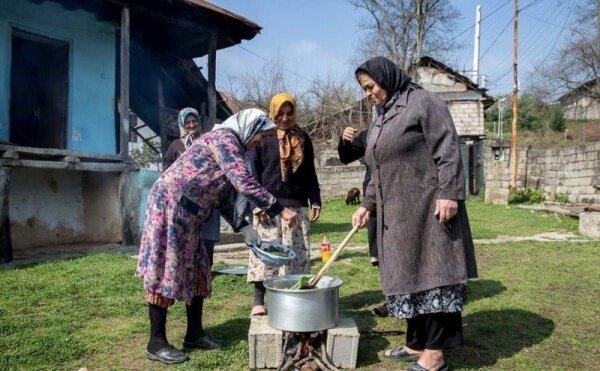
[158, 348]
[195, 336]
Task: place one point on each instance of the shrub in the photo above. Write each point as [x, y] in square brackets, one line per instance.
[528, 196]
[561, 197]
[557, 119]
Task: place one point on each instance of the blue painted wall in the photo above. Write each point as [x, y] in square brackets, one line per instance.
[91, 123]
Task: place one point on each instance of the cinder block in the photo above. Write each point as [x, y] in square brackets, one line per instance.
[264, 343]
[342, 343]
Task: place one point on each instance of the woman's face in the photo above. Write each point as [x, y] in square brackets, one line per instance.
[374, 93]
[253, 142]
[284, 118]
[191, 124]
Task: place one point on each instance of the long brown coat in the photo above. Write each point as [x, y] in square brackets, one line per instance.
[414, 157]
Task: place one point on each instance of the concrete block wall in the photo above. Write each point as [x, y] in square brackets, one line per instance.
[573, 171]
[342, 343]
[467, 117]
[336, 181]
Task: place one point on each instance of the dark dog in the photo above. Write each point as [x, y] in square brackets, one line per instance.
[353, 196]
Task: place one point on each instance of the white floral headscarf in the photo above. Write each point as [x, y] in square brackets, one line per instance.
[247, 123]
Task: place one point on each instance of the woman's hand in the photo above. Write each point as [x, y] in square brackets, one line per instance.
[290, 217]
[348, 134]
[315, 213]
[263, 218]
[445, 210]
[360, 217]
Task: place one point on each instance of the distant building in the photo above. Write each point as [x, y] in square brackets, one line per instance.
[582, 103]
[466, 102]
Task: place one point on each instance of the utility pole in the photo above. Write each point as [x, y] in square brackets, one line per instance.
[476, 45]
[513, 150]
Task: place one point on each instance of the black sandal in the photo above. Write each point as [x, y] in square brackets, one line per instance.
[400, 354]
[417, 367]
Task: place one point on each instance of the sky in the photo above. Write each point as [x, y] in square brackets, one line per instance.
[318, 39]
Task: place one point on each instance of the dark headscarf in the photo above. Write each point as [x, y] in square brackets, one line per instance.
[386, 74]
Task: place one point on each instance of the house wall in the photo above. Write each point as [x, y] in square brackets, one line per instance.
[466, 113]
[467, 117]
[91, 123]
[60, 207]
[581, 108]
[573, 171]
[438, 81]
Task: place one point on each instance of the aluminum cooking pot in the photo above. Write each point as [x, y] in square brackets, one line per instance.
[303, 310]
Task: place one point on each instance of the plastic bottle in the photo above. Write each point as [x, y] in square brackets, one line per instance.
[325, 249]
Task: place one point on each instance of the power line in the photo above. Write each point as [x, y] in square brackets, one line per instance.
[551, 24]
[538, 46]
[497, 37]
[482, 19]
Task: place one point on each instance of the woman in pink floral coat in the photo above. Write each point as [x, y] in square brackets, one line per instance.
[172, 262]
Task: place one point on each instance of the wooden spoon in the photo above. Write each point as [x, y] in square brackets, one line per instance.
[313, 281]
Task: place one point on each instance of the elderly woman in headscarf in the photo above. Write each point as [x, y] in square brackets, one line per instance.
[417, 190]
[189, 130]
[209, 175]
[284, 165]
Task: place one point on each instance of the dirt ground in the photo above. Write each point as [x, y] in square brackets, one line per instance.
[232, 253]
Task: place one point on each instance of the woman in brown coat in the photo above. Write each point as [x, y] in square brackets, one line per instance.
[417, 190]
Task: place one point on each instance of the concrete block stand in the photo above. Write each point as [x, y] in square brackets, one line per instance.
[265, 344]
[342, 343]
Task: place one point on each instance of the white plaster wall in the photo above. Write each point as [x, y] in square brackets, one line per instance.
[101, 207]
[435, 80]
[45, 207]
[59, 207]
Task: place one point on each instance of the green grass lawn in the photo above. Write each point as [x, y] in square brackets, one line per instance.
[534, 307]
[487, 221]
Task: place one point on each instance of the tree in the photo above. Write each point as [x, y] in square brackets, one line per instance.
[333, 105]
[259, 86]
[145, 157]
[577, 62]
[531, 110]
[557, 119]
[404, 30]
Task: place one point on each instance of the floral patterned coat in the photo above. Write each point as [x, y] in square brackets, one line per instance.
[171, 261]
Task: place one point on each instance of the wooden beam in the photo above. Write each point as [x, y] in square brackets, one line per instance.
[212, 90]
[61, 165]
[24, 152]
[161, 105]
[124, 94]
[6, 252]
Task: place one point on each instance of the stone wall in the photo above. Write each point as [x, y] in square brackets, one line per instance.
[573, 171]
[336, 181]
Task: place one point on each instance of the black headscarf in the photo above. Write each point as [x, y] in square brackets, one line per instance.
[386, 74]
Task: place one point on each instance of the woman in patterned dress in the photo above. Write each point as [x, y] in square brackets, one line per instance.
[172, 262]
[417, 190]
[284, 165]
